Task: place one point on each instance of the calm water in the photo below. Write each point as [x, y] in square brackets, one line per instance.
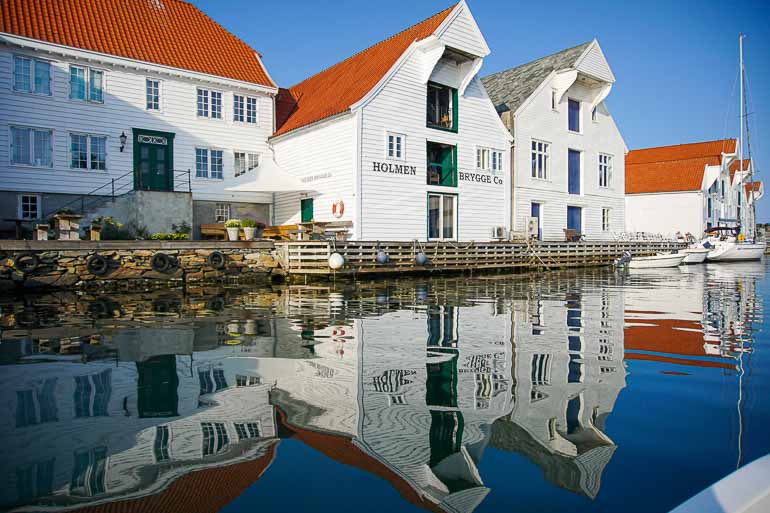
[582, 391]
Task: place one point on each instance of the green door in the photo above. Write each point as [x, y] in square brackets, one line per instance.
[307, 210]
[153, 160]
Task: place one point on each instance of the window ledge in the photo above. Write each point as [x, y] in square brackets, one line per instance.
[434, 127]
[574, 133]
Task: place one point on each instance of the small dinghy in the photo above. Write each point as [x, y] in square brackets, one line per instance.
[695, 255]
[657, 261]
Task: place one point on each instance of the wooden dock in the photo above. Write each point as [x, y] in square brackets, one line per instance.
[312, 257]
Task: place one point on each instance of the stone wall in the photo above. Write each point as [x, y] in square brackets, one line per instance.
[64, 264]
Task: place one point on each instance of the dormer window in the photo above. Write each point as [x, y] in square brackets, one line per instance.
[442, 107]
[573, 118]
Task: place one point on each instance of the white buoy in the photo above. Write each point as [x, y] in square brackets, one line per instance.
[336, 261]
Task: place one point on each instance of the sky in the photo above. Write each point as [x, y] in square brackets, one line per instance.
[675, 62]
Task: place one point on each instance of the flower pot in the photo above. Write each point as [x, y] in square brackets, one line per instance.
[248, 233]
[232, 233]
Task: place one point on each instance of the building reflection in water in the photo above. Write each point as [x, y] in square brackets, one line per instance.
[411, 382]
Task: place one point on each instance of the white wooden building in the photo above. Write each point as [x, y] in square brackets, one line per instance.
[685, 188]
[567, 154]
[357, 134]
[186, 94]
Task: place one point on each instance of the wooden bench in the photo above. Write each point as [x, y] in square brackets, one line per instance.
[214, 231]
[571, 235]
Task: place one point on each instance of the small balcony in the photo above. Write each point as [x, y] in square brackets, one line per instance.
[442, 107]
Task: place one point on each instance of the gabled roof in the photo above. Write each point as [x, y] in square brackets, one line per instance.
[508, 89]
[757, 188]
[735, 166]
[167, 32]
[676, 168]
[335, 89]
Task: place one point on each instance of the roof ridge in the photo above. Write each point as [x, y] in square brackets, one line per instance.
[452, 7]
[683, 144]
[701, 157]
[540, 58]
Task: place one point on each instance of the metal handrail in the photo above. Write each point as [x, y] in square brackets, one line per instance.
[82, 197]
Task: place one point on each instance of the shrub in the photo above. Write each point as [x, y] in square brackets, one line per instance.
[181, 228]
[248, 223]
[169, 236]
[233, 223]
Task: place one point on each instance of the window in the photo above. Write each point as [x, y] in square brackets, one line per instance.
[574, 116]
[553, 100]
[541, 160]
[209, 104]
[31, 147]
[251, 110]
[153, 94]
[605, 170]
[30, 206]
[541, 369]
[221, 212]
[89, 471]
[247, 430]
[574, 174]
[203, 103]
[396, 146]
[31, 75]
[239, 108]
[245, 162]
[92, 394]
[242, 380]
[209, 163]
[442, 164]
[442, 107]
[488, 159]
[86, 84]
[593, 114]
[215, 437]
[88, 152]
[161, 444]
[442, 215]
[606, 216]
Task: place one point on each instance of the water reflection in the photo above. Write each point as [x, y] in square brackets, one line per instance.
[170, 400]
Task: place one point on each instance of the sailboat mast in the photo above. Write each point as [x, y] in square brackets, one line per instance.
[752, 224]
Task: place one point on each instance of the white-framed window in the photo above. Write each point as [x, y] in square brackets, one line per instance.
[541, 369]
[442, 216]
[221, 212]
[209, 103]
[239, 108]
[247, 430]
[152, 87]
[395, 145]
[605, 170]
[541, 160]
[30, 206]
[244, 162]
[86, 84]
[251, 110]
[209, 163]
[215, 438]
[553, 100]
[573, 115]
[88, 152]
[489, 159]
[31, 146]
[31, 75]
[606, 217]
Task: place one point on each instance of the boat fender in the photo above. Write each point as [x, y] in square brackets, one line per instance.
[26, 262]
[217, 304]
[161, 262]
[382, 257]
[336, 261]
[421, 258]
[217, 260]
[97, 265]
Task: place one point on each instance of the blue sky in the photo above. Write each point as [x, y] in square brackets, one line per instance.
[675, 62]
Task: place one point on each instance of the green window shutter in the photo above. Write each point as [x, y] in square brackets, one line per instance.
[454, 110]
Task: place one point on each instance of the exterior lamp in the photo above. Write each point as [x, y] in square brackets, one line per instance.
[123, 140]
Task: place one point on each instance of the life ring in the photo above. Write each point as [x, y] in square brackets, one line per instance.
[26, 262]
[217, 260]
[161, 262]
[338, 208]
[97, 265]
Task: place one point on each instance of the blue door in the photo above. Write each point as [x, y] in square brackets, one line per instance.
[574, 219]
[536, 213]
[573, 163]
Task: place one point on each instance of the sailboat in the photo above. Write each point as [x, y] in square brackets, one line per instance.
[729, 244]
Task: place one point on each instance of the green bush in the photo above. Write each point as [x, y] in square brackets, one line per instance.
[181, 228]
[248, 223]
[233, 223]
[169, 236]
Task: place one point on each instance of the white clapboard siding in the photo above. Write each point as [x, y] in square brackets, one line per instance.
[665, 213]
[122, 110]
[536, 120]
[594, 63]
[463, 33]
[324, 157]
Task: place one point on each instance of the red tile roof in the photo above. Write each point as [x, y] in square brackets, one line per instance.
[757, 188]
[168, 32]
[734, 166]
[681, 151]
[335, 89]
[675, 168]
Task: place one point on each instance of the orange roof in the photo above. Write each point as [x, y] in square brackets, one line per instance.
[681, 151]
[734, 166]
[335, 89]
[757, 188]
[167, 32]
[670, 176]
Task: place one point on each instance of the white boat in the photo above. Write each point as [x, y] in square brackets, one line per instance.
[729, 251]
[695, 255]
[657, 261]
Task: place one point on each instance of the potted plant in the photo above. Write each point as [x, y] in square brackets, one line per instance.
[233, 227]
[249, 228]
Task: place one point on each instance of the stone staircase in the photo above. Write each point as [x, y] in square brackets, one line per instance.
[154, 211]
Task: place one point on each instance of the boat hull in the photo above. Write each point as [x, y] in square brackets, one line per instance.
[695, 256]
[736, 252]
[656, 262]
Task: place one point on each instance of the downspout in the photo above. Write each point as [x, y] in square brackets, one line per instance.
[357, 138]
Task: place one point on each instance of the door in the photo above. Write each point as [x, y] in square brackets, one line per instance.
[153, 160]
[536, 214]
[442, 216]
[306, 207]
[575, 219]
[573, 187]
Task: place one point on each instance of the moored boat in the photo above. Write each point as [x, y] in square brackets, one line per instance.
[695, 255]
[657, 261]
